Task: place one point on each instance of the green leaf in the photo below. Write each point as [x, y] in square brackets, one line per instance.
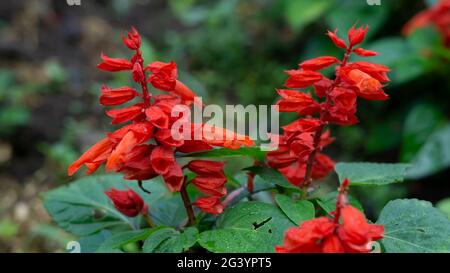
[251, 227]
[300, 13]
[168, 240]
[272, 176]
[328, 202]
[371, 174]
[420, 122]
[91, 243]
[433, 156]
[412, 225]
[82, 208]
[297, 211]
[444, 206]
[116, 241]
[254, 152]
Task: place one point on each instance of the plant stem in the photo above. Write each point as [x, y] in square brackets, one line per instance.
[318, 134]
[187, 203]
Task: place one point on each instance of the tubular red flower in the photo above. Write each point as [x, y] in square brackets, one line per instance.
[117, 96]
[364, 52]
[336, 40]
[162, 159]
[210, 204]
[301, 78]
[295, 101]
[126, 114]
[128, 202]
[318, 63]
[174, 178]
[114, 64]
[93, 157]
[206, 167]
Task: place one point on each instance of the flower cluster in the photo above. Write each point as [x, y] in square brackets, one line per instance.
[299, 156]
[438, 15]
[329, 235]
[145, 146]
[210, 179]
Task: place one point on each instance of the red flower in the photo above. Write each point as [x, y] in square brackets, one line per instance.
[438, 15]
[164, 75]
[364, 52]
[126, 114]
[210, 204]
[295, 101]
[93, 157]
[128, 202]
[174, 177]
[318, 63]
[114, 64]
[301, 78]
[327, 235]
[336, 40]
[133, 39]
[206, 167]
[117, 96]
[162, 159]
[356, 36]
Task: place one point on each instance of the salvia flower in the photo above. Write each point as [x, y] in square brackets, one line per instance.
[128, 202]
[346, 231]
[144, 147]
[438, 15]
[299, 154]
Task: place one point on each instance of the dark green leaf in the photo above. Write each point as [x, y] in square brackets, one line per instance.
[433, 156]
[371, 174]
[272, 176]
[414, 226]
[247, 228]
[297, 211]
[168, 240]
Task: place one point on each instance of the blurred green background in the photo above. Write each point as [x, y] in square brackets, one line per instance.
[229, 52]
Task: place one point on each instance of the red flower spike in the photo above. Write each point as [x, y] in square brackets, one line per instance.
[162, 159]
[364, 52]
[336, 40]
[133, 39]
[318, 63]
[114, 64]
[128, 202]
[356, 36]
[301, 78]
[164, 75]
[125, 114]
[210, 204]
[117, 96]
